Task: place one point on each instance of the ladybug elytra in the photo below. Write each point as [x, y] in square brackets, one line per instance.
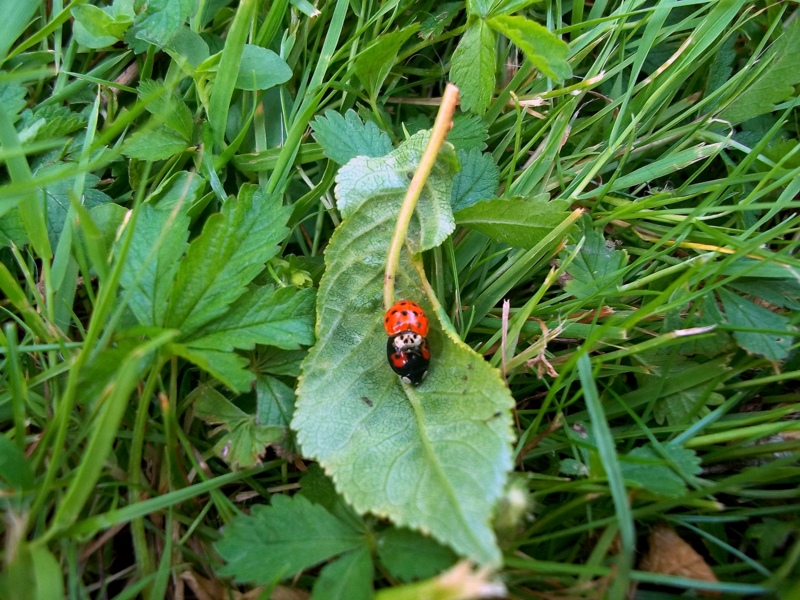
[405, 315]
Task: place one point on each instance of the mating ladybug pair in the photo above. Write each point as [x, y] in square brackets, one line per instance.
[407, 347]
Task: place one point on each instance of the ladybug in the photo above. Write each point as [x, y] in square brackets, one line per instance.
[405, 315]
[409, 362]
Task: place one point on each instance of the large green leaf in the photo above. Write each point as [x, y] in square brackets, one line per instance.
[434, 457]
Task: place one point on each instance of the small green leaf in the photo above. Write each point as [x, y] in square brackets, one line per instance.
[597, 267]
[158, 243]
[96, 28]
[469, 132]
[436, 22]
[15, 471]
[744, 314]
[226, 256]
[156, 144]
[261, 69]
[539, 45]
[784, 293]
[160, 19]
[477, 180]
[775, 84]
[169, 107]
[58, 196]
[345, 137]
[276, 542]
[183, 188]
[376, 60]
[473, 67]
[244, 441]
[271, 316]
[409, 555]
[433, 457]
[59, 121]
[187, 48]
[349, 577]
[520, 222]
[274, 402]
[12, 97]
[645, 467]
[227, 367]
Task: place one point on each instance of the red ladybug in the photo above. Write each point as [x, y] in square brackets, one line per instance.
[410, 363]
[405, 315]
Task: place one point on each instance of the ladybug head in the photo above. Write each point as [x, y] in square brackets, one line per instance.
[407, 339]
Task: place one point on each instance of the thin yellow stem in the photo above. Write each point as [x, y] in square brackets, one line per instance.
[440, 129]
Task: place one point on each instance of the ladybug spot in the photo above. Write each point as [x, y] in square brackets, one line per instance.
[404, 313]
[366, 401]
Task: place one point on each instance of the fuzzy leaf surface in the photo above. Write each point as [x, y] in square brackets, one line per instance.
[345, 137]
[433, 458]
[275, 542]
[539, 45]
[230, 251]
[473, 69]
[469, 132]
[520, 222]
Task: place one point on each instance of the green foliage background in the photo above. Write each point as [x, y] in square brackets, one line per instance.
[195, 204]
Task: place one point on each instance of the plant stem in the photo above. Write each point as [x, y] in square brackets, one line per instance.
[440, 128]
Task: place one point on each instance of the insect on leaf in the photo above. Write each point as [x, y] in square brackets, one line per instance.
[435, 457]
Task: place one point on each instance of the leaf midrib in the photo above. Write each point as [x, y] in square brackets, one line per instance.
[434, 461]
